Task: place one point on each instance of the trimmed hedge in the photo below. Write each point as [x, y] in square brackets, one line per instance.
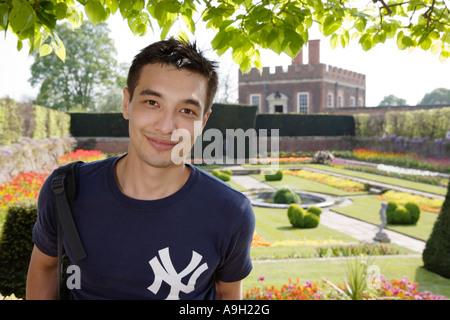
[306, 219]
[16, 245]
[402, 215]
[98, 125]
[273, 176]
[307, 124]
[223, 117]
[436, 256]
[286, 195]
[19, 120]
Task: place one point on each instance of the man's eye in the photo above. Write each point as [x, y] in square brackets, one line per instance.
[188, 111]
[151, 102]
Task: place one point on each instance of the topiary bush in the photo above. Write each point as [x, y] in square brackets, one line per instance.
[16, 245]
[402, 215]
[299, 218]
[273, 176]
[286, 195]
[436, 256]
[224, 175]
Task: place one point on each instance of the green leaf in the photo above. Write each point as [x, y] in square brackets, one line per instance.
[60, 51]
[444, 56]
[60, 10]
[400, 43]
[221, 39]
[330, 25]
[138, 24]
[75, 17]
[334, 41]
[21, 17]
[45, 50]
[292, 43]
[360, 25]
[95, 12]
[436, 47]
[47, 19]
[366, 42]
[4, 13]
[113, 5]
[426, 44]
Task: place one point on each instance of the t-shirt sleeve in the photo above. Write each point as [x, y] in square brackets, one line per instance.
[45, 229]
[237, 263]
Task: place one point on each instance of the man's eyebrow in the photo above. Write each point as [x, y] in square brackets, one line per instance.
[149, 92]
[193, 102]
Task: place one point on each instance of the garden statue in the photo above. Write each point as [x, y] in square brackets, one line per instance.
[382, 236]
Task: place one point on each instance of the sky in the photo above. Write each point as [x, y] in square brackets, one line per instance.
[388, 70]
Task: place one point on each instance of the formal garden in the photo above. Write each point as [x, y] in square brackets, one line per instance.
[295, 255]
[309, 262]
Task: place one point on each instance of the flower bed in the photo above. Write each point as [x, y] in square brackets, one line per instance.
[416, 175]
[426, 204]
[336, 182]
[403, 289]
[405, 160]
[26, 185]
[81, 155]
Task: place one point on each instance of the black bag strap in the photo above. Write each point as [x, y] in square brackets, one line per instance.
[64, 186]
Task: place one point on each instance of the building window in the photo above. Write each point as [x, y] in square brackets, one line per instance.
[352, 102]
[340, 101]
[360, 102]
[330, 100]
[303, 102]
[255, 100]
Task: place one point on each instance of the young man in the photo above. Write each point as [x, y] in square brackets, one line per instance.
[153, 228]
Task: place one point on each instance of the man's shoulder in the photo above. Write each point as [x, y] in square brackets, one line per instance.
[88, 168]
[211, 181]
[221, 193]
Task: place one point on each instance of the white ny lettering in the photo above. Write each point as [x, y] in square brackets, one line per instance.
[167, 273]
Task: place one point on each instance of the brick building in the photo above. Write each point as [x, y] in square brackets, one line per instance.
[302, 88]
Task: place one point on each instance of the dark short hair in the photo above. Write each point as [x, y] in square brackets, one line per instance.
[177, 53]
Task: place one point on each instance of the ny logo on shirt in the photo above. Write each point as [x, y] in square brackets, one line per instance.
[167, 273]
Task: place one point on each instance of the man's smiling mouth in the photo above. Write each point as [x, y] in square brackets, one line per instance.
[162, 144]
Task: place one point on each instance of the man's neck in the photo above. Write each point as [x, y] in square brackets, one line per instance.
[143, 182]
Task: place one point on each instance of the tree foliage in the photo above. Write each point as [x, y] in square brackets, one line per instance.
[392, 100]
[437, 96]
[89, 70]
[244, 26]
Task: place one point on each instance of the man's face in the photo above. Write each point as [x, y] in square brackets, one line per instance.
[166, 101]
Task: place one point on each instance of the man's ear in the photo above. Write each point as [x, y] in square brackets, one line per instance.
[206, 117]
[126, 103]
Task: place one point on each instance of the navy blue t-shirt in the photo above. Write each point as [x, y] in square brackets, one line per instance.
[170, 248]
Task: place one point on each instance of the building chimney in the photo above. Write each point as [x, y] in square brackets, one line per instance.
[298, 60]
[314, 51]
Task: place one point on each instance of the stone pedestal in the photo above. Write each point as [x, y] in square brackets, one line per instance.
[382, 237]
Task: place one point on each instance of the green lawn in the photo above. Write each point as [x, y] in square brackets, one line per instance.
[298, 183]
[368, 176]
[374, 177]
[278, 264]
[367, 209]
[278, 272]
[273, 225]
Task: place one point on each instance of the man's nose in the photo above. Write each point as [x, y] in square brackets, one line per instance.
[165, 123]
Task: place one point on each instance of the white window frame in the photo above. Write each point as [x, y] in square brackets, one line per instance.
[360, 102]
[300, 107]
[255, 95]
[352, 101]
[340, 100]
[330, 100]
